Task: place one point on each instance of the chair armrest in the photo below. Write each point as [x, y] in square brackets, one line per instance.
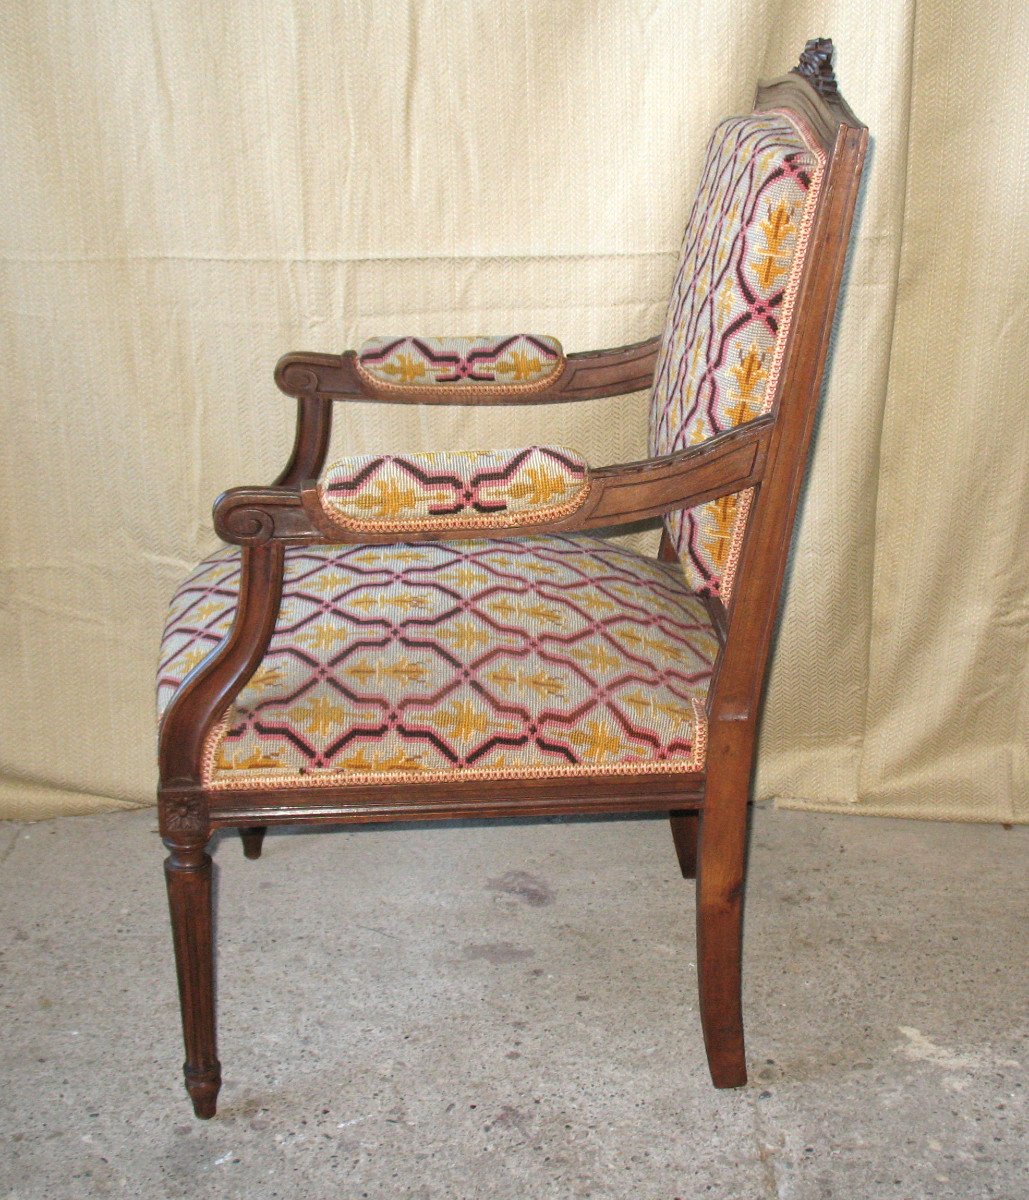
[515, 369]
[615, 495]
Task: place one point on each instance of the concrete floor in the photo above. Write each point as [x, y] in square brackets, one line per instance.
[509, 1011]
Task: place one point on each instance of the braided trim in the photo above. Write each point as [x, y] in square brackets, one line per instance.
[739, 528]
[499, 520]
[789, 300]
[380, 387]
[211, 744]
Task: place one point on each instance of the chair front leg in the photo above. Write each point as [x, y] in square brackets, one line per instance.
[685, 830]
[188, 874]
[720, 878]
[253, 837]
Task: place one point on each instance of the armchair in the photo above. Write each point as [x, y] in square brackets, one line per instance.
[441, 636]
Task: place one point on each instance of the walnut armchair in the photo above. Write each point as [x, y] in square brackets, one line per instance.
[439, 635]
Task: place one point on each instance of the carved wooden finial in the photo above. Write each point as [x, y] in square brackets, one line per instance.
[816, 66]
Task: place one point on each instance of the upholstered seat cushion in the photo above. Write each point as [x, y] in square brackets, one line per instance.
[490, 658]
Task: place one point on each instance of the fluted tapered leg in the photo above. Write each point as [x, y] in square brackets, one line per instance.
[253, 836]
[685, 828]
[188, 874]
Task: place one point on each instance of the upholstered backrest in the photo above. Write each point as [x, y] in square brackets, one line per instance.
[730, 312]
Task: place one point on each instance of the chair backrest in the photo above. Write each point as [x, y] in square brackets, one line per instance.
[735, 300]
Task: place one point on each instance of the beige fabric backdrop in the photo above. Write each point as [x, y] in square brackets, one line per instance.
[191, 189]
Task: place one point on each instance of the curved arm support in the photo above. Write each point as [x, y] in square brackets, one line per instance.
[211, 686]
[311, 443]
[586, 376]
[617, 495]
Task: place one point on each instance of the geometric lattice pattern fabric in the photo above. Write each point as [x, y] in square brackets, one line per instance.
[729, 311]
[518, 361]
[499, 658]
[469, 487]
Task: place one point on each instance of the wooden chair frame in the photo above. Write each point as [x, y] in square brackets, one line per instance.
[708, 808]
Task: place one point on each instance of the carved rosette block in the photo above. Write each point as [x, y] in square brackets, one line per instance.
[183, 817]
[816, 66]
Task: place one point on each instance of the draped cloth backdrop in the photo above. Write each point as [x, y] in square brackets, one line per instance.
[191, 190]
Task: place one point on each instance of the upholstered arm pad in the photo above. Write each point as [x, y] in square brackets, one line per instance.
[381, 493]
[509, 362]
[582, 376]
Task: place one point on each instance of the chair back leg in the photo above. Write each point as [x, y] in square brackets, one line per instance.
[721, 867]
[685, 830]
[253, 836]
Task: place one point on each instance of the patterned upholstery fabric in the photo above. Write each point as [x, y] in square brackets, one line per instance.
[495, 658]
[520, 361]
[729, 312]
[454, 487]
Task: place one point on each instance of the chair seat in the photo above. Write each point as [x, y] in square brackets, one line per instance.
[495, 658]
